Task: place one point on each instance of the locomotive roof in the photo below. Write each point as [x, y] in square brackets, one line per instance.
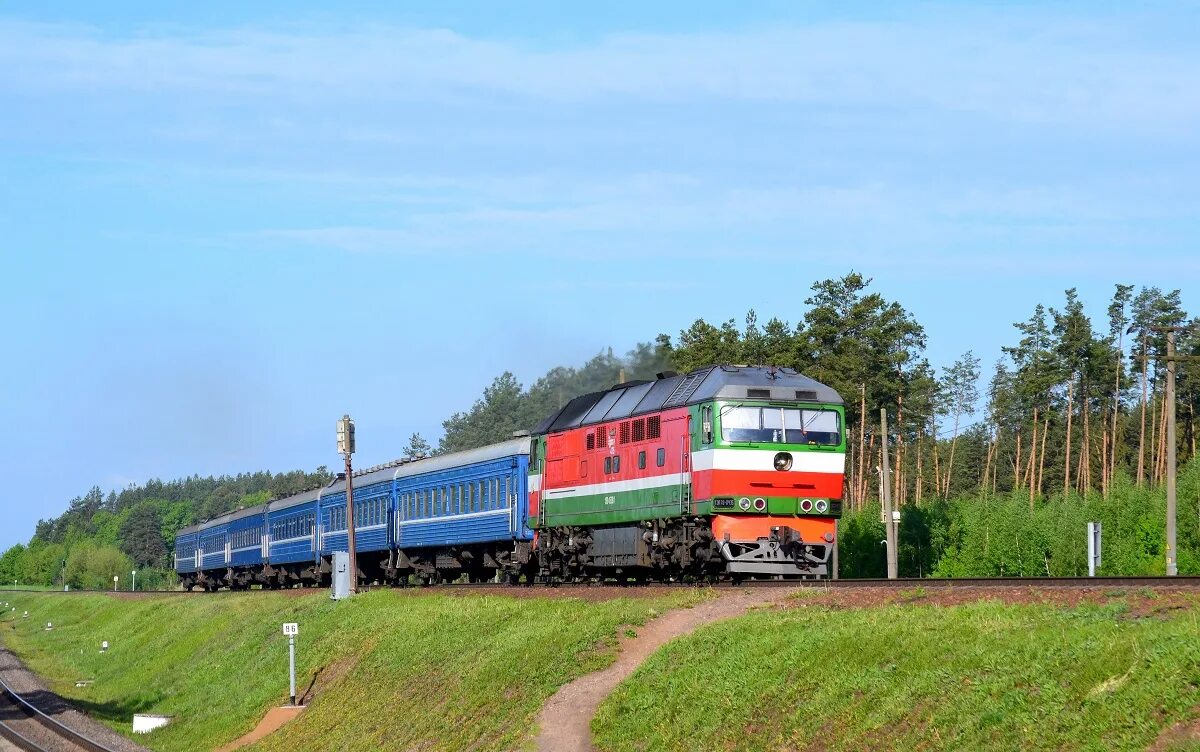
[703, 385]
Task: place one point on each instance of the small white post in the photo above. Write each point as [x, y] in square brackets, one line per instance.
[133, 588]
[1093, 534]
[115, 578]
[291, 630]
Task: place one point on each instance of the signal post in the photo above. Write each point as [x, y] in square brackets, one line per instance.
[345, 443]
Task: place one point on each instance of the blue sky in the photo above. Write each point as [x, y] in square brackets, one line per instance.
[222, 225]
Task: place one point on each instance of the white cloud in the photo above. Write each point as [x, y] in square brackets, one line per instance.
[1035, 69]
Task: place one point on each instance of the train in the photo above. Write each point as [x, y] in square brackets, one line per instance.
[727, 472]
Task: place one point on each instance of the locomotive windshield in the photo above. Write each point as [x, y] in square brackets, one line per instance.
[781, 425]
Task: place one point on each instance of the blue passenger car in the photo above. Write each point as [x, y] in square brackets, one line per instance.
[477, 496]
[436, 518]
[214, 544]
[292, 528]
[247, 536]
[373, 504]
[186, 560]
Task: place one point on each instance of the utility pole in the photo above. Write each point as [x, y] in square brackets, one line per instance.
[345, 434]
[885, 489]
[1172, 553]
[1169, 417]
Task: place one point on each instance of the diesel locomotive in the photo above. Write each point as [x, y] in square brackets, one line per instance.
[726, 472]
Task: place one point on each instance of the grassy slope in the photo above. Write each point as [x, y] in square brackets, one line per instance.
[396, 669]
[980, 676]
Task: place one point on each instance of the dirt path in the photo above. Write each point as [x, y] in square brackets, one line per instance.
[271, 722]
[565, 721]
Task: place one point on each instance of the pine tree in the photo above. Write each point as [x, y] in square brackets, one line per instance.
[959, 393]
[417, 448]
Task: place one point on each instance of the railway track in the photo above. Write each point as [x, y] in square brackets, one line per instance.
[1181, 581]
[26, 727]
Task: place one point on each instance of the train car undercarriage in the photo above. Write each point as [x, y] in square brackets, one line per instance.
[666, 550]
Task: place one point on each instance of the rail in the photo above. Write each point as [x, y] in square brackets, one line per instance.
[1181, 581]
[55, 726]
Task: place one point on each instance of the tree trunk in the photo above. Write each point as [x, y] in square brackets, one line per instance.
[1082, 470]
[987, 464]
[1086, 455]
[862, 448]
[849, 480]
[1160, 462]
[1141, 475]
[1042, 453]
[1017, 464]
[937, 469]
[866, 481]
[899, 449]
[1031, 470]
[1105, 480]
[950, 462]
[1192, 423]
[1152, 446]
[920, 478]
[1110, 468]
[1067, 460]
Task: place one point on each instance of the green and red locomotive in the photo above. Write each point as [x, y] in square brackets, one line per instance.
[726, 471]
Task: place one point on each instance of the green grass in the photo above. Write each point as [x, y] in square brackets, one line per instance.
[399, 670]
[982, 676]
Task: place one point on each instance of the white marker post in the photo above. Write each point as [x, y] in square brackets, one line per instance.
[115, 578]
[1093, 533]
[291, 630]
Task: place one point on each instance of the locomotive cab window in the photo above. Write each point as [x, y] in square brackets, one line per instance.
[781, 425]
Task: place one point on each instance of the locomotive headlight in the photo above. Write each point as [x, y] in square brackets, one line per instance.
[744, 503]
[783, 461]
[760, 504]
[822, 506]
[806, 505]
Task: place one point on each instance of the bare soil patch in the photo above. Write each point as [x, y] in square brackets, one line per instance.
[1183, 735]
[271, 722]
